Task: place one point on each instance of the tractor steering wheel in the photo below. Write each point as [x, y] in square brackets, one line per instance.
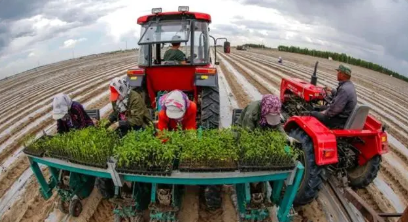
[326, 98]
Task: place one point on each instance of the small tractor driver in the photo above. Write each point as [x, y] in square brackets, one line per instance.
[174, 53]
[343, 103]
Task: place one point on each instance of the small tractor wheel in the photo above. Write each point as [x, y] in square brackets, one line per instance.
[311, 181]
[117, 218]
[138, 218]
[362, 176]
[75, 208]
[210, 108]
[63, 206]
[212, 196]
[105, 187]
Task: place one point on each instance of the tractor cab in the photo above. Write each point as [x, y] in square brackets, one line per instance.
[160, 31]
[188, 66]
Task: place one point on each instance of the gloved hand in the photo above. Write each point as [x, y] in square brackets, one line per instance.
[124, 124]
[112, 118]
[292, 141]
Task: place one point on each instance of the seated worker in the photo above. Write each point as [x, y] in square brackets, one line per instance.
[174, 53]
[264, 114]
[129, 112]
[69, 114]
[343, 103]
[129, 109]
[177, 109]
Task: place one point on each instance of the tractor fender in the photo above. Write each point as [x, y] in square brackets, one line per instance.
[136, 80]
[206, 80]
[324, 141]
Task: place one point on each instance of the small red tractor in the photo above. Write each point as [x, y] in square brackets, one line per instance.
[354, 150]
[197, 77]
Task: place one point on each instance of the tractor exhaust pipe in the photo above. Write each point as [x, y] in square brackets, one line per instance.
[313, 80]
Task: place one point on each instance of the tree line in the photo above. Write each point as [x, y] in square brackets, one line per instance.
[256, 46]
[342, 57]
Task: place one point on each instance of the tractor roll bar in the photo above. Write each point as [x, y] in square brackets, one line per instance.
[313, 81]
[215, 46]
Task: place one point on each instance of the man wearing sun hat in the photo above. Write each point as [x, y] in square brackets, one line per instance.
[343, 103]
[177, 109]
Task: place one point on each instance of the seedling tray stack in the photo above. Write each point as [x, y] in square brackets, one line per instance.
[208, 166]
[34, 152]
[144, 169]
[265, 164]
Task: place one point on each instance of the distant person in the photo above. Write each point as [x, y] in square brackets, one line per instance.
[69, 114]
[174, 53]
[177, 109]
[280, 60]
[129, 109]
[343, 103]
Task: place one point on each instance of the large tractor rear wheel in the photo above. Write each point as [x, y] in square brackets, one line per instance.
[362, 176]
[311, 181]
[210, 108]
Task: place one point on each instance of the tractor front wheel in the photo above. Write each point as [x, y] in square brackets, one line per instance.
[210, 108]
[75, 208]
[362, 176]
[311, 181]
[63, 206]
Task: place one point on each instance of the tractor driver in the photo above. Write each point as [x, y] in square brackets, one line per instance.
[343, 103]
[177, 109]
[174, 53]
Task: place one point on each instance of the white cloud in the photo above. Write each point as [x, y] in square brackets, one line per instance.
[70, 43]
[32, 54]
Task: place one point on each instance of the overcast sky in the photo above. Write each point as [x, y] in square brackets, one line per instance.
[36, 32]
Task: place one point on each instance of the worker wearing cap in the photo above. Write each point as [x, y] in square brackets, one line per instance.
[129, 109]
[69, 114]
[177, 109]
[343, 103]
[264, 114]
[174, 53]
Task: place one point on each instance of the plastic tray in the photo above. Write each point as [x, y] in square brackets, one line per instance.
[145, 170]
[207, 166]
[38, 153]
[265, 165]
[72, 160]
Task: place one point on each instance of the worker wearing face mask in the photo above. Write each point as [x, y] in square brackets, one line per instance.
[69, 114]
[129, 109]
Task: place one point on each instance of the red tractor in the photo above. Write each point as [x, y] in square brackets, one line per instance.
[354, 150]
[196, 76]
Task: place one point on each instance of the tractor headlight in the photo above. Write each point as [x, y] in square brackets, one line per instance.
[183, 8]
[156, 10]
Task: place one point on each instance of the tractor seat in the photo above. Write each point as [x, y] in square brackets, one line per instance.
[357, 118]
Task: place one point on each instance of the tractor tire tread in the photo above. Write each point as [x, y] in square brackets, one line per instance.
[210, 108]
[374, 167]
[75, 207]
[309, 190]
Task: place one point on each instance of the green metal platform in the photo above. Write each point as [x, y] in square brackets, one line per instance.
[288, 178]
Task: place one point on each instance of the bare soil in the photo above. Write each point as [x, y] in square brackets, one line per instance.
[36, 86]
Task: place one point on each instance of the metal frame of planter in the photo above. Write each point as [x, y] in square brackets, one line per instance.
[291, 178]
